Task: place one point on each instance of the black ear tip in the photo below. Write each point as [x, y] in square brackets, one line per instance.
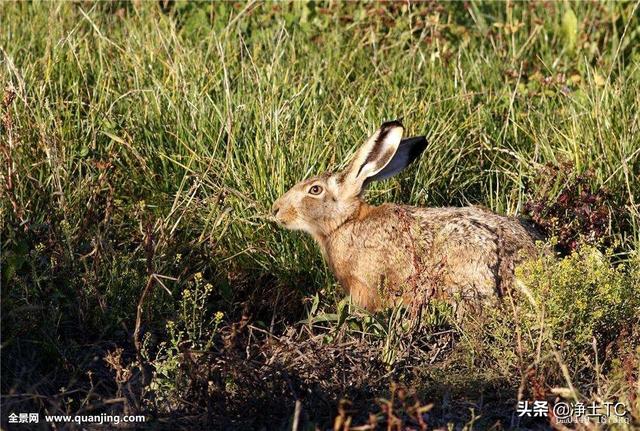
[415, 145]
[415, 141]
[419, 145]
[391, 124]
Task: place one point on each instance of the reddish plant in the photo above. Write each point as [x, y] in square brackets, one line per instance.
[567, 206]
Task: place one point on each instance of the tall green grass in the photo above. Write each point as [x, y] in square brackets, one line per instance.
[256, 101]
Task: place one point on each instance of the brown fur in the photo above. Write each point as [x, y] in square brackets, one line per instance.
[394, 253]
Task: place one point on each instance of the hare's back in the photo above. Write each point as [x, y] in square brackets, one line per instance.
[478, 225]
[477, 248]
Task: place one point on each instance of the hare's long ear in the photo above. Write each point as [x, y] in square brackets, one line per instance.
[371, 158]
[408, 151]
[376, 159]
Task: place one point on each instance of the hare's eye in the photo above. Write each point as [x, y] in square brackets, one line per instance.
[315, 190]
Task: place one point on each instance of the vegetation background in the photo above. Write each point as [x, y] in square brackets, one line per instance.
[143, 143]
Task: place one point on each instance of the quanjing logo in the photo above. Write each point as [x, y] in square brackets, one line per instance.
[566, 413]
[100, 419]
[24, 418]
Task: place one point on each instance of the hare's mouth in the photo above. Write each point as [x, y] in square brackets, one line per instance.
[279, 222]
[285, 216]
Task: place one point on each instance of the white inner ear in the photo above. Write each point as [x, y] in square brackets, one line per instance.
[379, 157]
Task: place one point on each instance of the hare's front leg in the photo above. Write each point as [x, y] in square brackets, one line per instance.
[363, 295]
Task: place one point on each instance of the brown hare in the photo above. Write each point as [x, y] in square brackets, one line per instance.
[389, 253]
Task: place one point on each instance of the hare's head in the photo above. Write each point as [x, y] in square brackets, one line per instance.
[319, 205]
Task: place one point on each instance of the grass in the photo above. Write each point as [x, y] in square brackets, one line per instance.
[145, 145]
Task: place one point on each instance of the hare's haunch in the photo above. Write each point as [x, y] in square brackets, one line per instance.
[391, 253]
